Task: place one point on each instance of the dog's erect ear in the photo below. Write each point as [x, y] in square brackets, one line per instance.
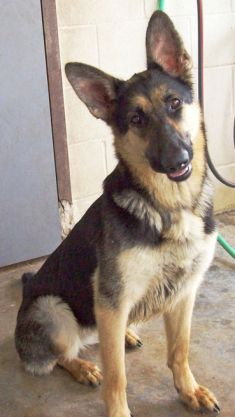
[165, 47]
[95, 88]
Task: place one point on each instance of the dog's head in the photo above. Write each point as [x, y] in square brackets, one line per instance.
[153, 116]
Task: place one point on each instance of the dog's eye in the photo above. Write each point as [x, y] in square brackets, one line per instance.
[137, 119]
[174, 103]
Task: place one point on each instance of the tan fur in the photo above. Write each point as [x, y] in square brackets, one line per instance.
[185, 225]
[83, 371]
[189, 122]
[145, 273]
[157, 94]
[143, 103]
[178, 325]
[112, 326]
[131, 339]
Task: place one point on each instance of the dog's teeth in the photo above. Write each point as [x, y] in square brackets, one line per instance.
[180, 172]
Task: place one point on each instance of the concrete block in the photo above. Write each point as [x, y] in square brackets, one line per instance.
[83, 12]
[81, 205]
[216, 6]
[194, 41]
[149, 7]
[219, 39]
[220, 137]
[122, 47]
[87, 167]
[224, 197]
[182, 25]
[219, 113]
[218, 91]
[80, 124]
[78, 44]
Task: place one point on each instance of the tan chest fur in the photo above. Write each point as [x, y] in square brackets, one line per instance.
[155, 278]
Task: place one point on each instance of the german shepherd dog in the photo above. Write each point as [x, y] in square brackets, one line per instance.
[144, 246]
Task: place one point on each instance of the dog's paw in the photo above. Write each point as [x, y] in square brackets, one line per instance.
[201, 400]
[90, 374]
[120, 413]
[82, 370]
[132, 340]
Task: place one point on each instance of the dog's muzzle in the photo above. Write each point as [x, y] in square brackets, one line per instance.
[175, 163]
[179, 167]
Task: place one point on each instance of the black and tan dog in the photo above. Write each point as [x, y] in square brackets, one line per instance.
[143, 247]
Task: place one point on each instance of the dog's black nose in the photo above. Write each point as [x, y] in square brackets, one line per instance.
[178, 160]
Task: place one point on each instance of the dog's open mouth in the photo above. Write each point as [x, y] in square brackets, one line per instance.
[182, 174]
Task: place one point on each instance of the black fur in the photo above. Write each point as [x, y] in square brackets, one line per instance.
[67, 272]
[209, 220]
[143, 84]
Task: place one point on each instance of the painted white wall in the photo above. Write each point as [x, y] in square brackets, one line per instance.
[111, 36]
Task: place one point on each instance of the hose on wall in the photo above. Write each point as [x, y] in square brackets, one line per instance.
[201, 91]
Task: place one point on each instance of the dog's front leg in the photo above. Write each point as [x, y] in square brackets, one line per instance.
[111, 324]
[178, 325]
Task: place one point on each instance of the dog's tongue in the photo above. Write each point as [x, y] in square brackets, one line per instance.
[179, 173]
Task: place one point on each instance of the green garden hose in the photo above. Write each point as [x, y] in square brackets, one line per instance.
[226, 246]
[220, 239]
[161, 4]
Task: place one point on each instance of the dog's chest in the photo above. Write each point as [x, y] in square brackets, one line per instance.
[154, 276]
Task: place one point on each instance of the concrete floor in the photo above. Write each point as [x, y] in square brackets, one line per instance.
[150, 387]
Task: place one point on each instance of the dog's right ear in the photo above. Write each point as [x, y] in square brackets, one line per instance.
[165, 47]
[95, 88]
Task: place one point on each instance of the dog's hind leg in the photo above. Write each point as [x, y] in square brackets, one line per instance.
[47, 334]
[178, 325]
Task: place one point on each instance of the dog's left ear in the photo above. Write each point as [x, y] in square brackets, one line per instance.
[165, 47]
[94, 87]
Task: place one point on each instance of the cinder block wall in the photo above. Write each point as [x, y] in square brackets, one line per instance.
[111, 35]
